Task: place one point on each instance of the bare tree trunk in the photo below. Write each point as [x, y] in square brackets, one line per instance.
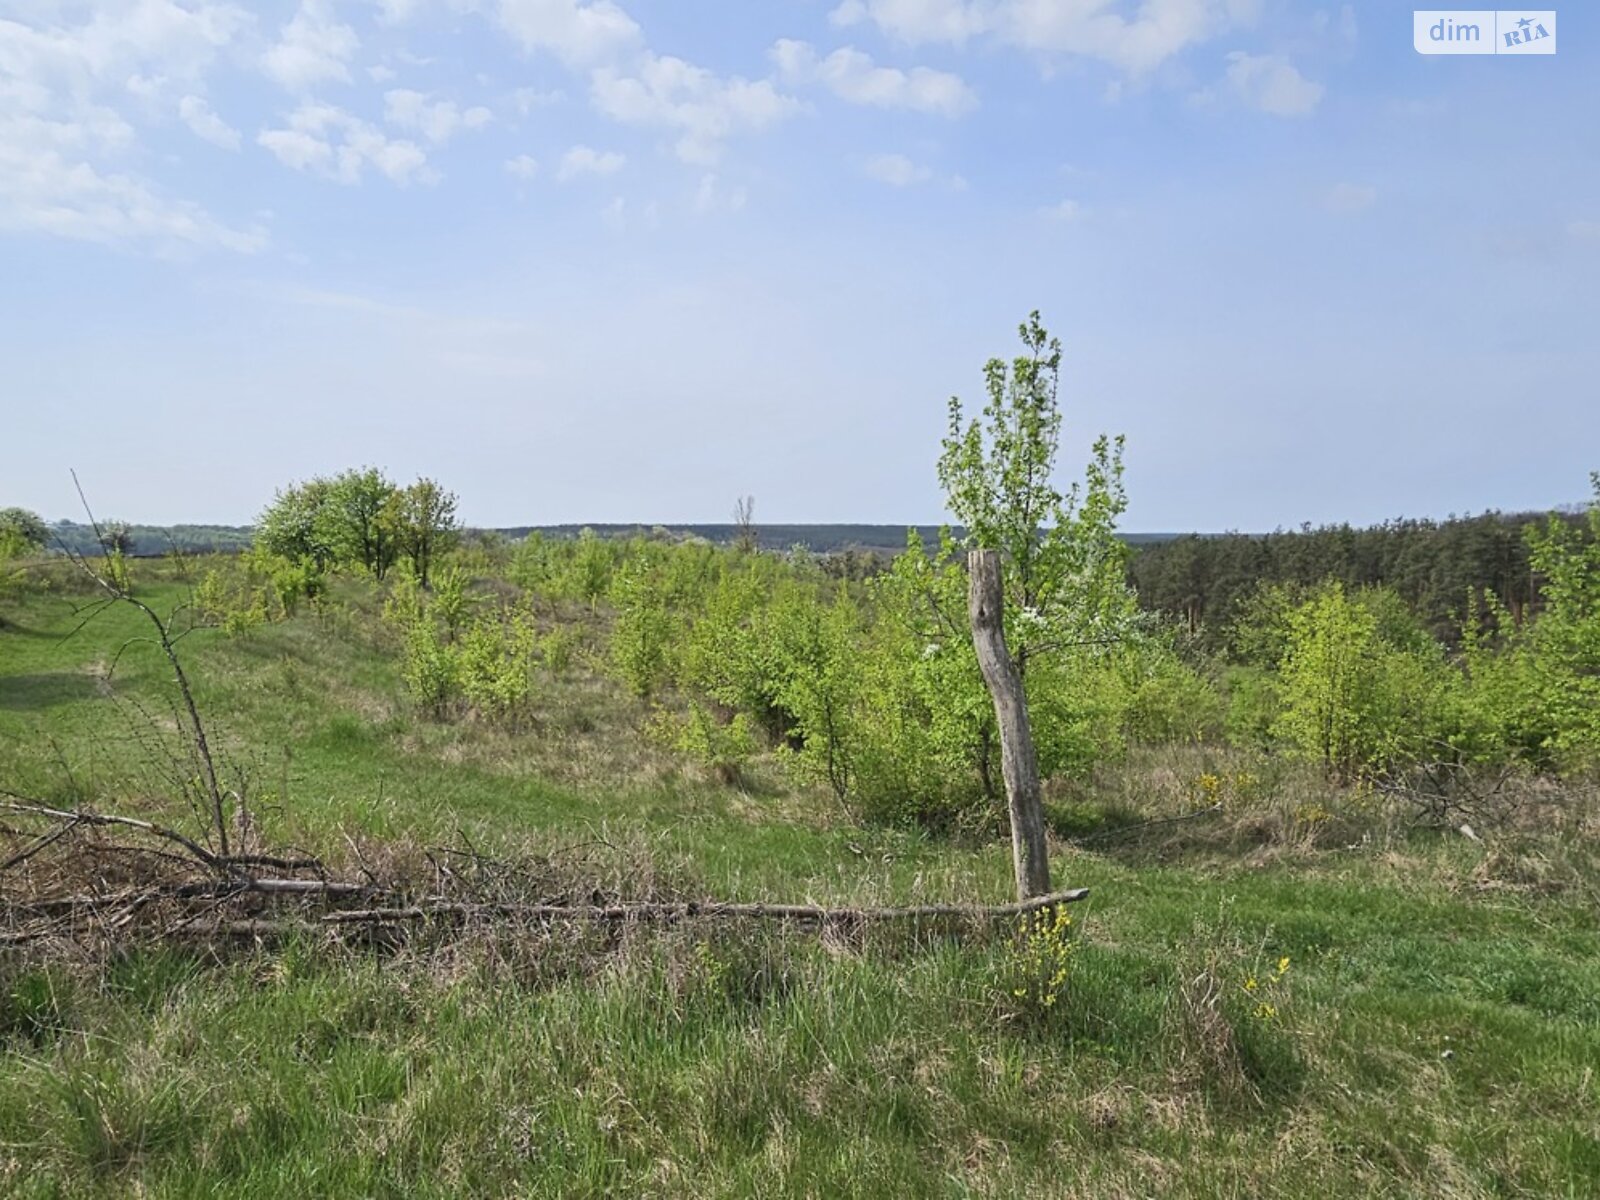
[1018, 763]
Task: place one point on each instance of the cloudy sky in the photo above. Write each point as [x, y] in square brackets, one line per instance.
[628, 259]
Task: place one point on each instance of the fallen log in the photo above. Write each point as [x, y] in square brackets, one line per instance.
[693, 910]
[662, 912]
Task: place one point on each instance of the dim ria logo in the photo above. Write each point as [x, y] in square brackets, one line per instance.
[1484, 31]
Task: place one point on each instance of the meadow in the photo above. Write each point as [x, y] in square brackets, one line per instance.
[1283, 982]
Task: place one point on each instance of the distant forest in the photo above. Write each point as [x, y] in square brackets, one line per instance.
[1198, 579]
[1433, 565]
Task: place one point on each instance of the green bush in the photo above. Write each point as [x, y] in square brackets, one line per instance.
[642, 638]
[430, 667]
[1362, 690]
[495, 663]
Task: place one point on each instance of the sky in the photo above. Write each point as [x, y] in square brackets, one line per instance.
[627, 260]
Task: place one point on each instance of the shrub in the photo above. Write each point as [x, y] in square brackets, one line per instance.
[641, 640]
[725, 747]
[223, 599]
[495, 664]
[451, 602]
[1360, 685]
[1036, 972]
[1170, 701]
[429, 667]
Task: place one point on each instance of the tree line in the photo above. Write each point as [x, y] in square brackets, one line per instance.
[1434, 566]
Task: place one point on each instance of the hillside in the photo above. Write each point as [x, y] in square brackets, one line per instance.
[1275, 977]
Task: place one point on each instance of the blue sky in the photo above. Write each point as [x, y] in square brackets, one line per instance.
[627, 260]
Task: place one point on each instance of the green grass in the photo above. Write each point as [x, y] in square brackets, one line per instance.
[1438, 1030]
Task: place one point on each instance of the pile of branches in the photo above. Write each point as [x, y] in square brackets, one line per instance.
[1451, 794]
[101, 880]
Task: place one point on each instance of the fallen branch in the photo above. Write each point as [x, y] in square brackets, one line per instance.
[693, 910]
[23, 804]
[225, 864]
[1138, 825]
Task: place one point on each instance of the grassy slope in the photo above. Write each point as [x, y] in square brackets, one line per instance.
[1439, 1030]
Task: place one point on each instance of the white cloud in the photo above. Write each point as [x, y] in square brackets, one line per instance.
[1135, 41]
[896, 170]
[329, 141]
[1347, 198]
[1344, 29]
[1066, 211]
[382, 74]
[151, 39]
[523, 166]
[1270, 83]
[314, 47]
[917, 20]
[398, 12]
[197, 115]
[704, 109]
[64, 145]
[851, 75]
[710, 196]
[436, 120]
[579, 33]
[581, 160]
[45, 191]
[527, 100]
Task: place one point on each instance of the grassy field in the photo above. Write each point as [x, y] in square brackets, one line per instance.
[1434, 1032]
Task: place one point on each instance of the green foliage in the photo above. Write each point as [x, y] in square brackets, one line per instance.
[819, 681]
[1357, 683]
[557, 649]
[300, 525]
[724, 657]
[233, 599]
[1204, 580]
[430, 668]
[1566, 637]
[1417, 1002]
[535, 564]
[590, 566]
[1170, 701]
[424, 519]
[1036, 975]
[12, 545]
[1253, 706]
[403, 606]
[641, 639]
[367, 524]
[22, 532]
[1065, 569]
[452, 603]
[290, 580]
[360, 519]
[496, 661]
[723, 746]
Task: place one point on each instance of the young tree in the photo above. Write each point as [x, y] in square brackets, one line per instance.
[299, 524]
[425, 516]
[1566, 636]
[744, 523]
[116, 537]
[1048, 572]
[21, 532]
[361, 507]
[1063, 567]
